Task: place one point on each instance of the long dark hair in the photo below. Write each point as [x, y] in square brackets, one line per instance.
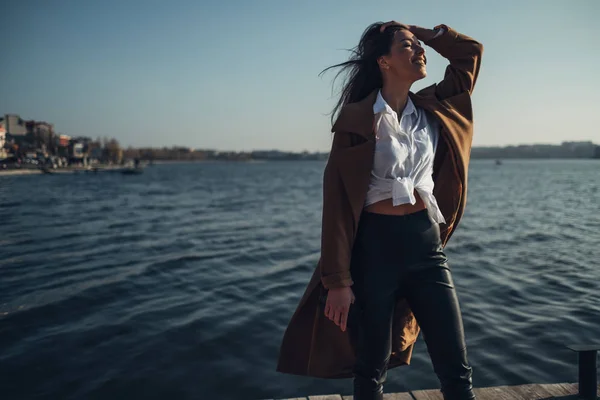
[362, 74]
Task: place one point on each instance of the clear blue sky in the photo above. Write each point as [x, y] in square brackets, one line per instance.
[243, 75]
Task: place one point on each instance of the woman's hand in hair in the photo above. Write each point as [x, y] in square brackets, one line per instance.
[423, 34]
[393, 23]
[338, 305]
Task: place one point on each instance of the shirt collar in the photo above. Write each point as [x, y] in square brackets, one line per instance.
[381, 106]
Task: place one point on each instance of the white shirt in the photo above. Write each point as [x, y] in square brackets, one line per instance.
[404, 154]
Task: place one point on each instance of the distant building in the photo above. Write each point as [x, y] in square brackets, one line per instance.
[13, 134]
[40, 136]
[77, 150]
[62, 145]
[26, 137]
[3, 153]
[63, 140]
[41, 129]
[14, 125]
[579, 149]
[80, 148]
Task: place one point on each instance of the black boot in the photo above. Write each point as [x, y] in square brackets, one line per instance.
[367, 390]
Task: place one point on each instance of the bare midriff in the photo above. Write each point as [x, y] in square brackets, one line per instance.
[387, 207]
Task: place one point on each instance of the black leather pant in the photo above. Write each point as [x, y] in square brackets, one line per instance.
[403, 256]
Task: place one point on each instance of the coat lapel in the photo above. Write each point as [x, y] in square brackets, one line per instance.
[354, 167]
[354, 163]
[358, 118]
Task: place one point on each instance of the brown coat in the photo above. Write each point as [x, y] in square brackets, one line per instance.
[312, 344]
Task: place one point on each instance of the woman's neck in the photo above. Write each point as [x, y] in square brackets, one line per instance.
[395, 95]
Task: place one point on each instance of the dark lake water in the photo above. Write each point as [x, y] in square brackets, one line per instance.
[179, 283]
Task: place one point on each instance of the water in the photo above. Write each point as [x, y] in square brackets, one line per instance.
[179, 283]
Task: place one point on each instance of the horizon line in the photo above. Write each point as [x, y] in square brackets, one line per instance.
[563, 143]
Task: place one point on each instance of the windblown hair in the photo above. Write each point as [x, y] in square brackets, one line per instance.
[362, 74]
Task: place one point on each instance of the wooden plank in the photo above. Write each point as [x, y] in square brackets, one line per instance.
[562, 389]
[498, 393]
[584, 347]
[397, 396]
[554, 391]
[433, 394]
[388, 396]
[523, 392]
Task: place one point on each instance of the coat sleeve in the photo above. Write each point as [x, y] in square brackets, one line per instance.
[464, 55]
[336, 231]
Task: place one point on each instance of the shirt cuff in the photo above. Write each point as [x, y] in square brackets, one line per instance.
[440, 30]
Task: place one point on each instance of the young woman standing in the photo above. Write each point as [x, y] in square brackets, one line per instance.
[394, 191]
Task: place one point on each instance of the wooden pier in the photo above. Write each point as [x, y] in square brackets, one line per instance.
[557, 391]
[586, 389]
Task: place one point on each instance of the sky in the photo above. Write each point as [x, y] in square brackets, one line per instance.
[244, 75]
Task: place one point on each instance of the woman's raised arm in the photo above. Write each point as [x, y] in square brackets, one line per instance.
[463, 52]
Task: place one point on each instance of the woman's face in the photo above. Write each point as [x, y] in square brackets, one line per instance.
[406, 59]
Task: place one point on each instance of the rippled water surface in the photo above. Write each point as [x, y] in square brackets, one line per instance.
[179, 283]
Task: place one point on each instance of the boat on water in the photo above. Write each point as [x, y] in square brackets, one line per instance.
[132, 170]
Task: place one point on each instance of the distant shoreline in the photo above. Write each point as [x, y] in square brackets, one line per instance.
[58, 171]
[35, 171]
[159, 162]
[17, 172]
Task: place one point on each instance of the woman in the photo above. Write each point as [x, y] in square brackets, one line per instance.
[394, 191]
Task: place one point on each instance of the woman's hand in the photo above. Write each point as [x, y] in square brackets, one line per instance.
[338, 305]
[423, 34]
[393, 23]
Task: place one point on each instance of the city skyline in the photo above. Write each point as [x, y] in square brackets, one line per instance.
[199, 75]
[22, 131]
